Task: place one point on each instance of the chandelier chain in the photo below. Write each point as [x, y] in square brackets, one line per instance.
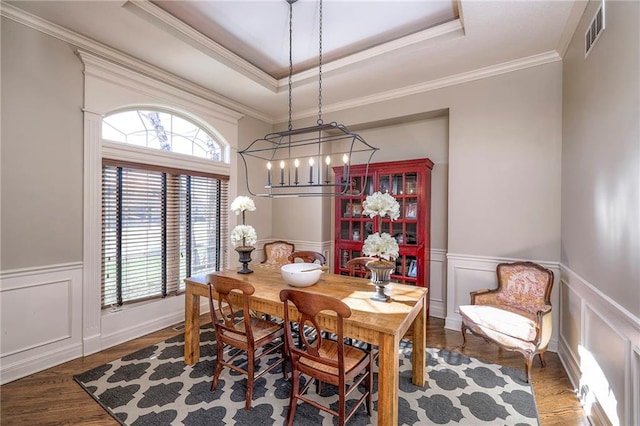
[290, 63]
[320, 67]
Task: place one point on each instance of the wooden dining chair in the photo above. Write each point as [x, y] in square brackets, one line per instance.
[324, 360]
[308, 257]
[357, 266]
[238, 329]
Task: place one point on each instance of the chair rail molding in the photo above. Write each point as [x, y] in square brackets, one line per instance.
[467, 273]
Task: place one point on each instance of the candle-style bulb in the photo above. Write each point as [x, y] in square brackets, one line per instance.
[345, 159]
[282, 172]
[268, 173]
[296, 163]
[327, 161]
[311, 171]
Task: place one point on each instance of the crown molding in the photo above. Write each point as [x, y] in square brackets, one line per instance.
[99, 49]
[575, 15]
[165, 20]
[451, 29]
[453, 80]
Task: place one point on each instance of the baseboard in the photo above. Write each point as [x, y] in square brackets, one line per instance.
[41, 361]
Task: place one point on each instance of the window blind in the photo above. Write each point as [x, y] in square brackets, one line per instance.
[159, 227]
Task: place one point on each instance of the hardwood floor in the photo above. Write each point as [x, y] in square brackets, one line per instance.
[52, 397]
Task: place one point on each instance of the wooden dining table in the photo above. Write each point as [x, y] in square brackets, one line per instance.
[380, 323]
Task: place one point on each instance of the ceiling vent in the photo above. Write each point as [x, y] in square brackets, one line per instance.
[594, 30]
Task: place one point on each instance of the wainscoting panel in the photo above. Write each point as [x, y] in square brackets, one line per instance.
[438, 289]
[41, 319]
[600, 350]
[469, 273]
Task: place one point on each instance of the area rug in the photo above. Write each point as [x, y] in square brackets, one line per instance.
[153, 386]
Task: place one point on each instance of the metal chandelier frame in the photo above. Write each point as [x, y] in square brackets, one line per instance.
[298, 161]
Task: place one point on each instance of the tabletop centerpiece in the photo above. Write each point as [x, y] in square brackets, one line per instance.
[244, 234]
[381, 245]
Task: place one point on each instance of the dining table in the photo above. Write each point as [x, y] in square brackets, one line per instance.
[383, 324]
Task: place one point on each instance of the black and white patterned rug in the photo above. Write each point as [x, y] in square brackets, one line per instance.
[153, 386]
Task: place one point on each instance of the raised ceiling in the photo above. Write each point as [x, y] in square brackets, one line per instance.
[372, 49]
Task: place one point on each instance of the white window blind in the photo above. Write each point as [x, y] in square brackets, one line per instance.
[159, 226]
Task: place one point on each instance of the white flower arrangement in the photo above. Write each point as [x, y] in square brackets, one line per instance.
[244, 234]
[381, 245]
[379, 204]
[241, 204]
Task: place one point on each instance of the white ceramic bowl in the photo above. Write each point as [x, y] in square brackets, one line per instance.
[293, 275]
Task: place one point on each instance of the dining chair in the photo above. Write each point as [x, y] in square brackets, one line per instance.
[276, 253]
[517, 314]
[324, 360]
[357, 266]
[238, 329]
[308, 257]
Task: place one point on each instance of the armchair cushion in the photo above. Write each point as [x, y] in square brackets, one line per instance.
[501, 324]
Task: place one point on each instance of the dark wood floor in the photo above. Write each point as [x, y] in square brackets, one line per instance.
[52, 397]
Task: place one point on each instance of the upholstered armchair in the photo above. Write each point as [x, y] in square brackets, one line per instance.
[516, 315]
[276, 253]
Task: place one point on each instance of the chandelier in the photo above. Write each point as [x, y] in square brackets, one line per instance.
[297, 162]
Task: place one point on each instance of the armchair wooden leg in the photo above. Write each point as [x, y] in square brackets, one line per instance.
[528, 361]
[542, 360]
[464, 335]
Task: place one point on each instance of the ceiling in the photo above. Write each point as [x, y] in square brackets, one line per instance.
[371, 49]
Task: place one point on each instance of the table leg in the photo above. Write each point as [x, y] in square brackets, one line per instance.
[419, 347]
[388, 380]
[191, 326]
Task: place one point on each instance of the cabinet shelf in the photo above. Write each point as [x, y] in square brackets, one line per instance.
[409, 182]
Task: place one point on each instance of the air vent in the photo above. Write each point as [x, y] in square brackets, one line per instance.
[595, 29]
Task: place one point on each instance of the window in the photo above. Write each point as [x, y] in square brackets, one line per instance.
[160, 224]
[161, 130]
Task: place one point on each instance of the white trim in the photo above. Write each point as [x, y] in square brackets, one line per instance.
[35, 22]
[218, 52]
[427, 86]
[622, 336]
[125, 152]
[112, 87]
[50, 332]
[204, 44]
[25, 272]
[83, 42]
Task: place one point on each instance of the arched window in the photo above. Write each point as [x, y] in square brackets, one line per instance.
[161, 130]
[163, 218]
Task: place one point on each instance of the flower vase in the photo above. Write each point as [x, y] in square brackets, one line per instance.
[380, 276]
[245, 257]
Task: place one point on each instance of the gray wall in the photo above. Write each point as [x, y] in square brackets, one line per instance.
[41, 162]
[601, 156]
[504, 158]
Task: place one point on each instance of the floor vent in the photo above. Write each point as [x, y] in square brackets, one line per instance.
[179, 327]
[595, 29]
